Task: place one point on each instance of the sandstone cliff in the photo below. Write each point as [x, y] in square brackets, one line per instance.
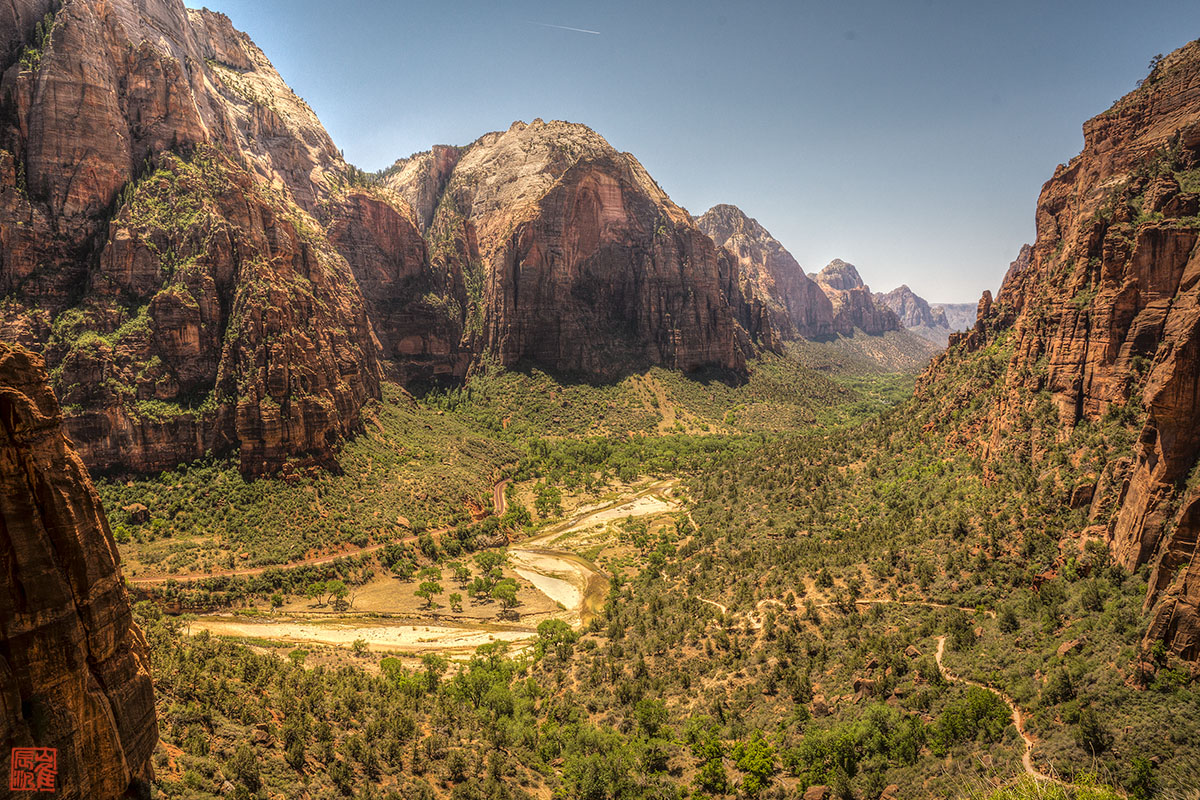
[73, 665]
[854, 305]
[1103, 313]
[566, 252]
[768, 272]
[159, 193]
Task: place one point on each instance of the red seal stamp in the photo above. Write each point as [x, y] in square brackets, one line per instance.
[33, 769]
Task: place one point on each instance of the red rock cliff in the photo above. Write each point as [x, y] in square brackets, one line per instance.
[854, 306]
[73, 665]
[768, 272]
[1104, 313]
[159, 193]
[570, 255]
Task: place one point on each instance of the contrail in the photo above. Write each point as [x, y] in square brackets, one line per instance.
[565, 28]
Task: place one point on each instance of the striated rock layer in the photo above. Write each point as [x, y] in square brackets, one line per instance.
[73, 665]
[768, 272]
[1104, 314]
[160, 196]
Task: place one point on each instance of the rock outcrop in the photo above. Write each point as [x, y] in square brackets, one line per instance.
[74, 668]
[768, 272]
[854, 305]
[568, 254]
[203, 272]
[1104, 314]
[159, 193]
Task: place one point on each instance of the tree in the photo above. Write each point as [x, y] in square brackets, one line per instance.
[315, 591]
[651, 715]
[462, 573]
[428, 589]
[455, 600]
[404, 569]
[757, 761]
[1092, 735]
[435, 667]
[1008, 621]
[490, 572]
[336, 590]
[506, 592]
[242, 767]
[276, 600]
[549, 501]
[557, 634]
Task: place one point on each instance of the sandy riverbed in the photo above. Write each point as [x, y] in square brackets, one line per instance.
[564, 577]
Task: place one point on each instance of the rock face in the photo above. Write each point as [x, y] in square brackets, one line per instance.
[159, 193]
[912, 309]
[202, 271]
[565, 252]
[1104, 311]
[853, 304]
[73, 665]
[768, 272]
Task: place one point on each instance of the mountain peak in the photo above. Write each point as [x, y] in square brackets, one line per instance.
[840, 275]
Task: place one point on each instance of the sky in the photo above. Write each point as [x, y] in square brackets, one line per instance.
[909, 137]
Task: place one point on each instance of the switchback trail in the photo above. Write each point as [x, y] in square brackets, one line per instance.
[498, 504]
[1017, 718]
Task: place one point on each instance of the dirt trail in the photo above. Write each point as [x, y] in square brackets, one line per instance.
[498, 503]
[1017, 718]
[724, 609]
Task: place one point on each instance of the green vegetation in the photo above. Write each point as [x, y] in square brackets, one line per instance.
[31, 56]
[777, 635]
[204, 515]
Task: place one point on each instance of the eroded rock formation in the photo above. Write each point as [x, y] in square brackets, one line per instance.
[1104, 315]
[74, 668]
[854, 305]
[159, 193]
[768, 272]
[569, 254]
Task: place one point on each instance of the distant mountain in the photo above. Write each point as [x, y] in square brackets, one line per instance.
[853, 304]
[958, 316]
[798, 307]
[935, 322]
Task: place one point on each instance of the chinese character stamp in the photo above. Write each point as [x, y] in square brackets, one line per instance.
[33, 769]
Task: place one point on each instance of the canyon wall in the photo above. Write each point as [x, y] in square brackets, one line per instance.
[74, 668]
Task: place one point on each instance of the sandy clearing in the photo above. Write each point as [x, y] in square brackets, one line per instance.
[413, 638]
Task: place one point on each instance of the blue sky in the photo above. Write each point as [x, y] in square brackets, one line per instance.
[910, 138]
